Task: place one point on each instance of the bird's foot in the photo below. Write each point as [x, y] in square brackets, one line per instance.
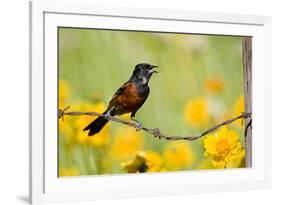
[138, 126]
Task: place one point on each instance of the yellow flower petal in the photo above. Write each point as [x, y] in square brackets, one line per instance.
[138, 164]
[154, 161]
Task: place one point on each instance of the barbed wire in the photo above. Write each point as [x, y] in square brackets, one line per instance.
[156, 132]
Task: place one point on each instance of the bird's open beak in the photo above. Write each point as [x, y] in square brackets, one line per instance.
[152, 69]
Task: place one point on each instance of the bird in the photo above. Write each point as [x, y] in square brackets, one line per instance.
[129, 98]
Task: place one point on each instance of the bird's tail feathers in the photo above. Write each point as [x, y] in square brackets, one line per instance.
[97, 125]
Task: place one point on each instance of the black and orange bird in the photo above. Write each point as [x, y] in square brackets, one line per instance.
[127, 99]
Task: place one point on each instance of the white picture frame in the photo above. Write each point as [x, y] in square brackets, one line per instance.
[46, 187]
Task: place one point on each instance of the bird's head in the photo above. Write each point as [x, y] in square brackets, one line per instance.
[143, 72]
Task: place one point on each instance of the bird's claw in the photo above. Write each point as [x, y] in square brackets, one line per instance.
[138, 126]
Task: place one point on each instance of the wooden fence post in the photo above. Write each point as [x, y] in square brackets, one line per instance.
[247, 67]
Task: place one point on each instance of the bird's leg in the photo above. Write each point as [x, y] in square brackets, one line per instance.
[139, 125]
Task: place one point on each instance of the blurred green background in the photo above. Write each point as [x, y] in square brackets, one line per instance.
[200, 83]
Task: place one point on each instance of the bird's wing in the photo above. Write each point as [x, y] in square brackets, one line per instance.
[119, 92]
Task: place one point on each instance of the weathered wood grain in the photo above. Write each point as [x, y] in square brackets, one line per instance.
[247, 67]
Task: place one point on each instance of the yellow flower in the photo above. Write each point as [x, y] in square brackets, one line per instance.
[148, 161]
[72, 171]
[127, 142]
[154, 161]
[238, 109]
[178, 155]
[138, 164]
[64, 93]
[196, 111]
[99, 139]
[223, 147]
[214, 85]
